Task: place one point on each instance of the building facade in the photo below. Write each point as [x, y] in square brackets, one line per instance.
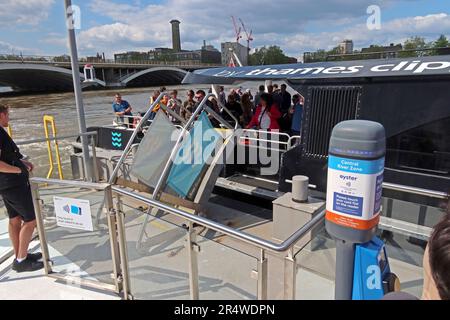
[346, 47]
[240, 50]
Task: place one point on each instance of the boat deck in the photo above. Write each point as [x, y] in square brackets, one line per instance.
[159, 268]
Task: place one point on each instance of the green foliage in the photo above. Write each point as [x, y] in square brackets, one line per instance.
[267, 56]
[439, 47]
[414, 43]
[441, 42]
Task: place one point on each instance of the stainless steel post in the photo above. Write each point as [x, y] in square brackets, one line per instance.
[262, 276]
[41, 228]
[94, 160]
[112, 228]
[123, 249]
[193, 262]
[345, 258]
[77, 87]
[290, 274]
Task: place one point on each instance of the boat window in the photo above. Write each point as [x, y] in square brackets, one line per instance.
[424, 149]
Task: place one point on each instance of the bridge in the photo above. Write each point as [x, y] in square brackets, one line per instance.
[49, 74]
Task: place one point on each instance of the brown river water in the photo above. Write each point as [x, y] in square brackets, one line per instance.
[27, 117]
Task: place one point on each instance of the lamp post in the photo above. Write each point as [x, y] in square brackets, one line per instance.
[70, 23]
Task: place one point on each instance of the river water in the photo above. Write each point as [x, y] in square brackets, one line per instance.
[27, 117]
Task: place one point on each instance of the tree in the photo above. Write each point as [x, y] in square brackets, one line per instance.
[270, 55]
[441, 42]
[414, 43]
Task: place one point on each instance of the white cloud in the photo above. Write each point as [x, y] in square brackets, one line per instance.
[24, 12]
[291, 24]
[395, 31]
[295, 25]
[148, 26]
[8, 48]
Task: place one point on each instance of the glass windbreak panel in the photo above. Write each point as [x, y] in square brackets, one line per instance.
[407, 240]
[404, 233]
[424, 149]
[158, 268]
[154, 150]
[193, 155]
[5, 243]
[316, 268]
[78, 253]
[225, 268]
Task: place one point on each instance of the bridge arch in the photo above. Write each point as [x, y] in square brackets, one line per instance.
[155, 77]
[38, 77]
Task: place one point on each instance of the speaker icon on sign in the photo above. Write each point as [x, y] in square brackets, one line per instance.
[72, 210]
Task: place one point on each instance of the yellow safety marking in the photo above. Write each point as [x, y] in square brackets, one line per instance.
[51, 120]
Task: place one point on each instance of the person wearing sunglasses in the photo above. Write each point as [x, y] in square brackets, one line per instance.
[188, 106]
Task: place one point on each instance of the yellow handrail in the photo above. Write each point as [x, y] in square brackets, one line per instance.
[9, 131]
[51, 120]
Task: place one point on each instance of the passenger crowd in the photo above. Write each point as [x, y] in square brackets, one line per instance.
[271, 109]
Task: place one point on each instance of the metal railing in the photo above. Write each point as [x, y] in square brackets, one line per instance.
[418, 191]
[310, 57]
[9, 129]
[260, 140]
[112, 232]
[116, 229]
[87, 134]
[13, 58]
[160, 184]
[120, 262]
[51, 120]
[263, 245]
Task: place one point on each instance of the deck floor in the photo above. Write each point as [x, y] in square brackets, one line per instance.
[159, 268]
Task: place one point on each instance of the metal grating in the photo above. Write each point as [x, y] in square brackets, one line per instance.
[326, 107]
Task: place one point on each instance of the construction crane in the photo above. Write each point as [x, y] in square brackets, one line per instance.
[236, 29]
[249, 35]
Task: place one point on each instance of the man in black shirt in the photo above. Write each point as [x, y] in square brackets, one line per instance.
[284, 100]
[16, 193]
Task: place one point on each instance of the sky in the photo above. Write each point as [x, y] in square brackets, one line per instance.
[37, 27]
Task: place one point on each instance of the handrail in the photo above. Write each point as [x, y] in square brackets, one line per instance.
[236, 121]
[239, 235]
[418, 191]
[118, 239]
[49, 119]
[7, 57]
[87, 134]
[173, 113]
[71, 183]
[292, 138]
[406, 189]
[175, 150]
[165, 171]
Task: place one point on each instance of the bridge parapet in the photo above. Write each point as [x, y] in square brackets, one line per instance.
[99, 62]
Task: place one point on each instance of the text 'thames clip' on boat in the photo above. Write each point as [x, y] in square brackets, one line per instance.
[410, 97]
